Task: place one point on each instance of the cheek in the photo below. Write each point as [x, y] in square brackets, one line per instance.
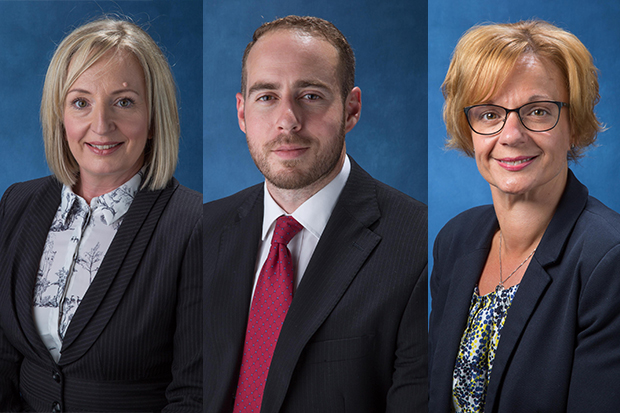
[74, 128]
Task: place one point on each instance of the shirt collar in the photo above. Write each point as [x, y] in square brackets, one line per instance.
[315, 212]
[110, 207]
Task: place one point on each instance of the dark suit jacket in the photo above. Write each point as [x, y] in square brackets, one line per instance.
[134, 344]
[354, 338]
[559, 349]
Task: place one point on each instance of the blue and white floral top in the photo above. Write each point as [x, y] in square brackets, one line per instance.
[75, 247]
[474, 362]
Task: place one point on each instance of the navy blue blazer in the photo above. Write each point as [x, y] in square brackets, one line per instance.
[354, 339]
[134, 343]
[559, 349]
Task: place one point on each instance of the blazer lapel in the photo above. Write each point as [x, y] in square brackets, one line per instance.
[117, 269]
[454, 318]
[29, 249]
[230, 293]
[535, 282]
[345, 245]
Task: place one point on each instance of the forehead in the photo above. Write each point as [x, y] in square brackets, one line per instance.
[535, 78]
[113, 64]
[288, 54]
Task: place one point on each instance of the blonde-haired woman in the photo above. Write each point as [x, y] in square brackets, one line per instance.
[100, 275]
[525, 310]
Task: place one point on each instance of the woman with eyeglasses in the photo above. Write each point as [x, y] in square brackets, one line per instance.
[525, 292]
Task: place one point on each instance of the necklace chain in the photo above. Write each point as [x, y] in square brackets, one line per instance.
[500, 286]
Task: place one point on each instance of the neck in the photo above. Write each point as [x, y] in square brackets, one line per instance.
[291, 199]
[89, 187]
[523, 219]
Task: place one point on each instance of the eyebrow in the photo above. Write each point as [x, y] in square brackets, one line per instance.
[299, 85]
[115, 92]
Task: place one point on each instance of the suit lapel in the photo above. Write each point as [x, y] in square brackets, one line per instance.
[343, 248]
[466, 273]
[231, 291]
[117, 269]
[535, 281]
[30, 244]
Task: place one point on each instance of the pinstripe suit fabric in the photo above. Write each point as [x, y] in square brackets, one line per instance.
[134, 343]
[354, 338]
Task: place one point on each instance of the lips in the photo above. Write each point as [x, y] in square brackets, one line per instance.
[290, 152]
[516, 164]
[103, 147]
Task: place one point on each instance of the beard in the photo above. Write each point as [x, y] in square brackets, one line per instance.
[302, 172]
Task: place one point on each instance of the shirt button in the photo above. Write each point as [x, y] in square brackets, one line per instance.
[56, 377]
[56, 407]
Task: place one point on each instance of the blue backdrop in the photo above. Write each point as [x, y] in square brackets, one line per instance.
[29, 32]
[390, 44]
[454, 183]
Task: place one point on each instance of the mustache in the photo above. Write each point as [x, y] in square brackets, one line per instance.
[289, 139]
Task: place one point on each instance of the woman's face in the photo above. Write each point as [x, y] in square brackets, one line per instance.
[106, 121]
[518, 161]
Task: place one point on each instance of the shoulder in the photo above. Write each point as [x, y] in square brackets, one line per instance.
[186, 199]
[466, 225]
[224, 210]
[17, 199]
[597, 228]
[24, 191]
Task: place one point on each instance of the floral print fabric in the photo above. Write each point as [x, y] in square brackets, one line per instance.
[474, 362]
[76, 244]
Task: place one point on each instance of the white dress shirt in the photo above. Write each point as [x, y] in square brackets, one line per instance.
[312, 214]
[76, 244]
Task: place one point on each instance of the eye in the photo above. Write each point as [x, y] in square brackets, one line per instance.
[125, 102]
[311, 96]
[264, 98]
[539, 112]
[489, 116]
[79, 103]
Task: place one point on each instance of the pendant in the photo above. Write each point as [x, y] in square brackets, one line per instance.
[499, 288]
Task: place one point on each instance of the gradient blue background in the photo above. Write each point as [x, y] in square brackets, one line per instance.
[454, 183]
[389, 40]
[29, 33]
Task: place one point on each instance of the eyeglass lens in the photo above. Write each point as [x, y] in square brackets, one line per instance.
[535, 116]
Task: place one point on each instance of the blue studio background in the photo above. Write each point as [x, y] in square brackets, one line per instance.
[29, 33]
[454, 182]
[390, 44]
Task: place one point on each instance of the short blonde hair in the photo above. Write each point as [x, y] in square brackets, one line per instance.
[83, 47]
[485, 56]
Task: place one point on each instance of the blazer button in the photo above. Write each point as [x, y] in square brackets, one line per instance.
[56, 377]
[56, 407]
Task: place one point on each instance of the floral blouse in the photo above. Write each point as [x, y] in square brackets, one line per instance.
[474, 362]
[76, 244]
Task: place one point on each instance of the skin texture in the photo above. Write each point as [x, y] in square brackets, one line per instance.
[525, 194]
[107, 106]
[530, 80]
[293, 115]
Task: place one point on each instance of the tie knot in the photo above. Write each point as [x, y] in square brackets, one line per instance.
[286, 229]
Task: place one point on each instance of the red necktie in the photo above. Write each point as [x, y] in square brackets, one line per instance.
[272, 298]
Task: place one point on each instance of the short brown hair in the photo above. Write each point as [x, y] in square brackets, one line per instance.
[84, 46]
[313, 26]
[484, 57]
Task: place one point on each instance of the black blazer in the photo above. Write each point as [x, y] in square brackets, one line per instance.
[559, 349]
[134, 344]
[354, 338]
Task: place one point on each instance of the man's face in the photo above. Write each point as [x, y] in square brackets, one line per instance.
[293, 114]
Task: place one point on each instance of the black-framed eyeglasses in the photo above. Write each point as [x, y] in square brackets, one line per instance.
[538, 116]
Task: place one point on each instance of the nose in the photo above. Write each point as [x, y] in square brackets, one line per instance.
[102, 120]
[289, 116]
[513, 131]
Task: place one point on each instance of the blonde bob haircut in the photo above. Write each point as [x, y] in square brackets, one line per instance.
[83, 47]
[485, 56]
